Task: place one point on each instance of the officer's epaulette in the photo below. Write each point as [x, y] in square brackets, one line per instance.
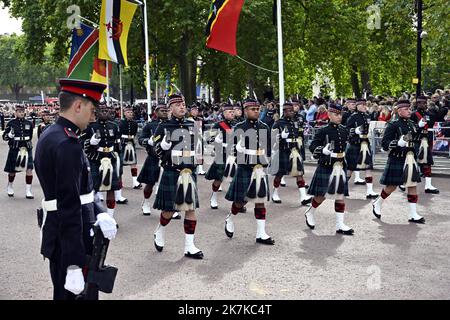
[70, 133]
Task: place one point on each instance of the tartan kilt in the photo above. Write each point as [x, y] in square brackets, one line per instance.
[150, 171]
[96, 179]
[238, 187]
[320, 181]
[165, 198]
[393, 172]
[352, 155]
[10, 165]
[215, 172]
[283, 163]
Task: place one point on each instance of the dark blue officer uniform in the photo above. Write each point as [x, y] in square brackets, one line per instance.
[64, 174]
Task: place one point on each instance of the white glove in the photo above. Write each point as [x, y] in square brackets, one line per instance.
[94, 141]
[285, 134]
[240, 147]
[326, 150]
[150, 142]
[166, 145]
[401, 142]
[218, 138]
[11, 135]
[107, 224]
[422, 123]
[358, 130]
[74, 280]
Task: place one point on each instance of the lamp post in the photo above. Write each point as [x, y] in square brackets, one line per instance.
[419, 8]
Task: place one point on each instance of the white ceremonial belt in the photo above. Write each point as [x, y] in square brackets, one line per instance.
[291, 140]
[224, 145]
[338, 155]
[127, 136]
[259, 152]
[21, 138]
[52, 205]
[183, 153]
[110, 149]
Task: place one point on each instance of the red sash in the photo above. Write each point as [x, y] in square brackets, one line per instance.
[225, 126]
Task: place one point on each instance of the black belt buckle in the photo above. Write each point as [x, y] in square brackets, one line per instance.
[40, 217]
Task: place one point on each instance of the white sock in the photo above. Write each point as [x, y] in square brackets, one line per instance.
[135, 182]
[275, 195]
[369, 188]
[189, 244]
[413, 211]
[357, 176]
[428, 183]
[340, 222]
[110, 212]
[118, 195]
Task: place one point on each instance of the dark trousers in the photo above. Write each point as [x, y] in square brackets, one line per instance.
[58, 275]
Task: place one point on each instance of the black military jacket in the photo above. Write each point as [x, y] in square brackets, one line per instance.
[109, 135]
[23, 133]
[358, 119]
[181, 155]
[63, 172]
[337, 136]
[394, 131]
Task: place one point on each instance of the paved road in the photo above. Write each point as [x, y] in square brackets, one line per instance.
[391, 259]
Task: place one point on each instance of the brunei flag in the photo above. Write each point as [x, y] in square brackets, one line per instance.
[115, 22]
[83, 52]
[222, 25]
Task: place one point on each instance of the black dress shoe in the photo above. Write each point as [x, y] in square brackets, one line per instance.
[283, 184]
[214, 208]
[198, 255]
[268, 241]
[347, 233]
[371, 196]
[378, 216]
[228, 233]
[402, 188]
[158, 247]
[122, 201]
[421, 220]
[276, 201]
[178, 217]
[360, 183]
[146, 214]
[11, 195]
[306, 186]
[139, 186]
[306, 201]
[29, 197]
[433, 191]
[309, 226]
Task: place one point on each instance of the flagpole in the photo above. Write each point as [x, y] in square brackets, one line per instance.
[107, 84]
[147, 65]
[121, 92]
[280, 56]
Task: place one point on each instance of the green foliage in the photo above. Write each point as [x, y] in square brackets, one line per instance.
[330, 35]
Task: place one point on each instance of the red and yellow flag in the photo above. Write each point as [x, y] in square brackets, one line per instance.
[222, 25]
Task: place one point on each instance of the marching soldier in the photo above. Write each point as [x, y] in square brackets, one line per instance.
[113, 118]
[401, 168]
[250, 183]
[424, 146]
[238, 115]
[358, 154]
[199, 124]
[128, 129]
[224, 164]
[19, 134]
[330, 179]
[175, 142]
[151, 169]
[69, 209]
[350, 105]
[102, 147]
[46, 122]
[290, 160]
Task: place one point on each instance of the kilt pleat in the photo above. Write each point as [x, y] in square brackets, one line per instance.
[393, 172]
[320, 182]
[215, 172]
[11, 159]
[150, 171]
[239, 185]
[165, 198]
